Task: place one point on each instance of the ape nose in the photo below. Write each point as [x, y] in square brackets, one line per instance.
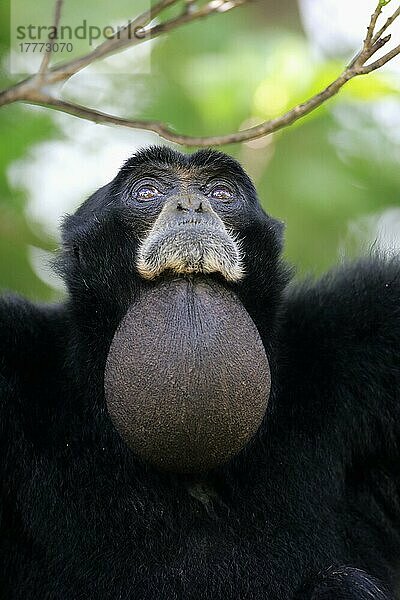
[190, 204]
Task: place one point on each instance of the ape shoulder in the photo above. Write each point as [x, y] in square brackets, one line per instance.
[27, 333]
[352, 308]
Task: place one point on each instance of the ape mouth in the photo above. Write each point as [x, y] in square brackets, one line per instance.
[188, 246]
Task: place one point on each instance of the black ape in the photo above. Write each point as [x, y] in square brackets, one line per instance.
[139, 457]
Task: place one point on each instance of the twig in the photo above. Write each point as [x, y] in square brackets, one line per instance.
[47, 55]
[386, 25]
[381, 61]
[127, 36]
[132, 34]
[372, 25]
[187, 16]
[167, 133]
[30, 92]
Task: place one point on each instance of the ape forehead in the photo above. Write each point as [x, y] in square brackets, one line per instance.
[161, 159]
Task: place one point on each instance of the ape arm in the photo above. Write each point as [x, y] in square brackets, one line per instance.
[342, 339]
[339, 396]
[31, 348]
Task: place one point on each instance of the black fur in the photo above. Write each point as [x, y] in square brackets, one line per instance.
[309, 510]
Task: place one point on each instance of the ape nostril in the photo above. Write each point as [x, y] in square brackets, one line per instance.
[190, 205]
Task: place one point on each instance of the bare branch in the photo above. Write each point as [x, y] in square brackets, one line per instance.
[187, 16]
[169, 134]
[132, 34]
[381, 61]
[47, 55]
[386, 25]
[127, 36]
[30, 92]
[372, 25]
[376, 46]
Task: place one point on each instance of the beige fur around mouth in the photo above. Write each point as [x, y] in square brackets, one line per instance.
[190, 248]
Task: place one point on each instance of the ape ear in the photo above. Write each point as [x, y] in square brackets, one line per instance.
[77, 228]
[73, 226]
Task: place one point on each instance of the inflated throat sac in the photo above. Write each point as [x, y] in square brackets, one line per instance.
[187, 379]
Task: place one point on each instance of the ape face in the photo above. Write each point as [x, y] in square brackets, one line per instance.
[189, 237]
[192, 208]
[164, 211]
[158, 263]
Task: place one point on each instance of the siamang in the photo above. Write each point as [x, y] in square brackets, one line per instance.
[191, 422]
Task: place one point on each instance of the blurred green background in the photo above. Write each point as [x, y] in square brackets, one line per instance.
[334, 177]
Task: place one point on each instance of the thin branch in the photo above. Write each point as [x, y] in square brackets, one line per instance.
[47, 55]
[381, 61]
[373, 38]
[187, 16]
[30, 92]
[127, 36]
[376, 46]
[372, 25]
[169, 134]
[386, 25]
[132, 34]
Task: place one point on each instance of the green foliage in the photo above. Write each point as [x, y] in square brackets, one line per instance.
[20, 127]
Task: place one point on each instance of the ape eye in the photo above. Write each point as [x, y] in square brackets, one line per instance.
[221, 192]
[147, 192]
